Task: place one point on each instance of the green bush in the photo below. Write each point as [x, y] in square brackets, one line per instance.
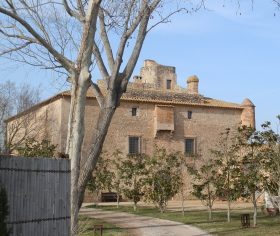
[34, 148]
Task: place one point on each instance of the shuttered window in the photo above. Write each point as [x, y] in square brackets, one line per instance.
[134, 145]
[189, 115]
[189, 147]
[134, 111]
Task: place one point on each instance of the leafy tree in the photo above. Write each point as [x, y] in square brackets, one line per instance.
[118, 174]
[4, 211]
[205, 176]
[184, 188]
[102, 177]
[133, 174]
[226, 161]
[164, 177]
[270, 152]
[34, 148]
[251, 173]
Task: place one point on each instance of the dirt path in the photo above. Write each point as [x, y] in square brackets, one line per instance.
[143, 225]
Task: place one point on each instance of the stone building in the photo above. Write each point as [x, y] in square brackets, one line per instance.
[153, 111]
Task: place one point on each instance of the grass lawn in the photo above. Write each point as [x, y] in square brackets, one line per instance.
[86, 228]
[266, 225]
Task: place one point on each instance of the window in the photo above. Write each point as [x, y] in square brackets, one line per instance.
[189, 115]
[133, 145]
[189, 146]
[168, 84]
[134, 111]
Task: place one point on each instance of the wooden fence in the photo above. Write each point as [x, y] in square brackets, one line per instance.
[38, 191]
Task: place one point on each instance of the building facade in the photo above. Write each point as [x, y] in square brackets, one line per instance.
[153, 111]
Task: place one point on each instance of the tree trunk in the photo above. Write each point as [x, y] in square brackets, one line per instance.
[228, 192]
[135, 206]
[255, 210]
[78, 100]
[98, 197]
[228, 210]
[183, 207]
[210, 213]
[161, 209]
[100, 132]
[210, 203]
[118, 200]
[278, 198]
[183, 202]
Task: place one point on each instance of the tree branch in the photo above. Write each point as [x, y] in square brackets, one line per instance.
[15, 49]
[126, 34]
[144, 11]
[86, 47]
[100, 62]
[81, 8]
[165, 19]
[105, 41]
[11, 5]
[68, 65]
[73, 13]
[19, 36]
[136, 51]
[98, 94]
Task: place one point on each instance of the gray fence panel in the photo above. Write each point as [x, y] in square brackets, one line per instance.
[38, 191]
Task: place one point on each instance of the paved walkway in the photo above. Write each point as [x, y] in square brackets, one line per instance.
[143, 225]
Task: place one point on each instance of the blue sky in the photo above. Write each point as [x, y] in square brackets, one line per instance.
[235, 53]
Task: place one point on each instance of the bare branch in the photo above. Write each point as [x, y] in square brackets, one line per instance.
[15, 49]
[68, 65]
[277, 2]
[11, 5]
[166, 18]
[73, 13]
[81, 8]
[19, 36]
[98, 94]
[100, 62]
[85, 54]
[136, 51]
[105, 41]
[144, 11]
[129, 12]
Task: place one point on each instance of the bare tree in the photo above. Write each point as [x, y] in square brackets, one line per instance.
[18, 131]
[70, 37]
[13, 100]
[6, 91]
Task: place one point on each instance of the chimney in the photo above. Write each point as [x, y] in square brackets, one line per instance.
[192, 84]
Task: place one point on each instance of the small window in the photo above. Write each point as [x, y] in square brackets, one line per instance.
[134, 111]
[189, 147]
[168, 84]
[133, 145]
[189, 115]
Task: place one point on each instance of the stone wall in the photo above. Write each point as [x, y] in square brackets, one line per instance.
[157, 75]
[205, 126]
[39, 122]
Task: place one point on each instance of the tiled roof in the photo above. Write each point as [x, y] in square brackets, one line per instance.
[157, 95]
[150, 96]
[169, 97]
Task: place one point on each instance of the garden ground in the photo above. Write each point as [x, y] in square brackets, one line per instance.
[195, 216]
[143, 225]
